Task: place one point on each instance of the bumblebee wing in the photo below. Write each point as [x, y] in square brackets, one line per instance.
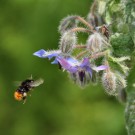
[37, 82]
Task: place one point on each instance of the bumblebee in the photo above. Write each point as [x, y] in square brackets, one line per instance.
[25, 87]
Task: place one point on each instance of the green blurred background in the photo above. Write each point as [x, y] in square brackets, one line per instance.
[58, 107]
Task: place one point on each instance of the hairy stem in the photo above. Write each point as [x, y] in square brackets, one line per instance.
[81, 54]
[97, 55]
[80, 29]
[80, 46]
[85, 22]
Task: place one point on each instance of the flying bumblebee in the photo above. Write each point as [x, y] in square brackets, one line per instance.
[25, 87]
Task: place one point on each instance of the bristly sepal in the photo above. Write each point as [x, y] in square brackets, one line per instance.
[109, 83]
[67, 42]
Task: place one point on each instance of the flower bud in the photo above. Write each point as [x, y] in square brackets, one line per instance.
[109, 83]
[67, 23]
[95, 43]
[68, 40]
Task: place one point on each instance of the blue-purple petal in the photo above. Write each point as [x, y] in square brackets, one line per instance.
[85, 63]
[47, 54]
[72, 60]
[40, 53]
[66, 65]
[54, 62]
[102, 67]
[63, 62]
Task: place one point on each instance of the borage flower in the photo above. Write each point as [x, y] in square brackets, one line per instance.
[81, 72]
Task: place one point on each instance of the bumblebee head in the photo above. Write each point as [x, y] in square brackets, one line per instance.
[18, 96]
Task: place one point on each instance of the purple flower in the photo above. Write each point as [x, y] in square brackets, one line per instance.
[72, 65]
[47, 54]
[80, 71]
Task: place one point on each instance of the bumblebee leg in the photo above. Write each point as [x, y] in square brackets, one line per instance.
[24, 97]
